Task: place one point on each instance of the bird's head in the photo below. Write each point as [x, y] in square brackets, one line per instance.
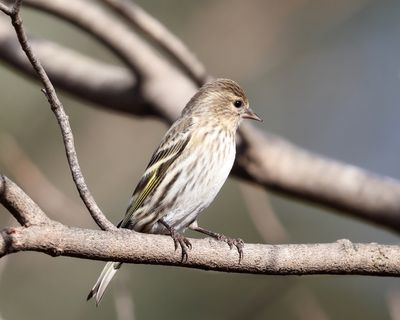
[222, 101]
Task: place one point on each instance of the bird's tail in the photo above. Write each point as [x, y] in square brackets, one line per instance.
[102, 282]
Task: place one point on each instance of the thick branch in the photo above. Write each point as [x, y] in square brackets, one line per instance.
[113, 34]
[276, 164]
[342, 257]
[107, 86]
[157, 77]
[44, 235]
[161, 36]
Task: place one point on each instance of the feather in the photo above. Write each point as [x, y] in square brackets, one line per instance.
[161, 160]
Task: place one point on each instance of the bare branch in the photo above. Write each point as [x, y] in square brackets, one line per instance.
[278, 165]
[108, 86]
[105, 28]
[161, 36]
[157, 78]
[44, 235]
[5, 9]
[342, 257]
[62, 118]
[22, 207]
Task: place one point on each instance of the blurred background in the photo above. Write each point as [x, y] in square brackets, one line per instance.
[323, 74]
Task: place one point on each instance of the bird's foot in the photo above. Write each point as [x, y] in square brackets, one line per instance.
[184, 243]
[179, 240]
[238, 243]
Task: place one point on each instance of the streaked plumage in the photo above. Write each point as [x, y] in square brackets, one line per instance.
[187, 170]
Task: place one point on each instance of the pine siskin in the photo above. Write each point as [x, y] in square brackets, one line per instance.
[187, 170]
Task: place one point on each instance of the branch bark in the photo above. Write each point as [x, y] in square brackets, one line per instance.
[44, 235]
[342, 257]
[22, 207]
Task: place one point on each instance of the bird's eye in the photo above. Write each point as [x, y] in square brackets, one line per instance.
[238, 103]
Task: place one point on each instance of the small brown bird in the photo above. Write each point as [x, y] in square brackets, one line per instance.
[187, 170]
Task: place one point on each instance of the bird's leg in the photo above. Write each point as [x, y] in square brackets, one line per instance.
[238, 243]
[183, 242]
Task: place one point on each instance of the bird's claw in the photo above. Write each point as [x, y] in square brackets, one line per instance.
[184, 243]
[238, 243]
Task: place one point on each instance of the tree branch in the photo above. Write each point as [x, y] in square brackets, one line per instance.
[5, 9]
[157, 78]
[278, 165]
[44, 235]
[112, 33]
[22, 207]
[106, 86]
[62, 118]
[342, 257]
[160, 36]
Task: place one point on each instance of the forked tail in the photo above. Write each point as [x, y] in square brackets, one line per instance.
[102, 282]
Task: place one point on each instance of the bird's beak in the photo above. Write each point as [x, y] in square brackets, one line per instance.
[250, 114]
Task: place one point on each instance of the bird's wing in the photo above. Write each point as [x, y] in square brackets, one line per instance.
[166, 154]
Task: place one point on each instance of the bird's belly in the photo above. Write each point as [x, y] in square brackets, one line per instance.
[197, 189]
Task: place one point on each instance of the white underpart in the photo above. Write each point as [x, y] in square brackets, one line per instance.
[210, 174]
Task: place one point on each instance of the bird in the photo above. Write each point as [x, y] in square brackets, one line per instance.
[186, 171]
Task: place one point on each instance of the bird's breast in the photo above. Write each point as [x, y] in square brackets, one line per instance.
[203, 170]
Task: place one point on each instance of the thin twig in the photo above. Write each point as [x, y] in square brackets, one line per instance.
[62, 118]
[162, 37]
